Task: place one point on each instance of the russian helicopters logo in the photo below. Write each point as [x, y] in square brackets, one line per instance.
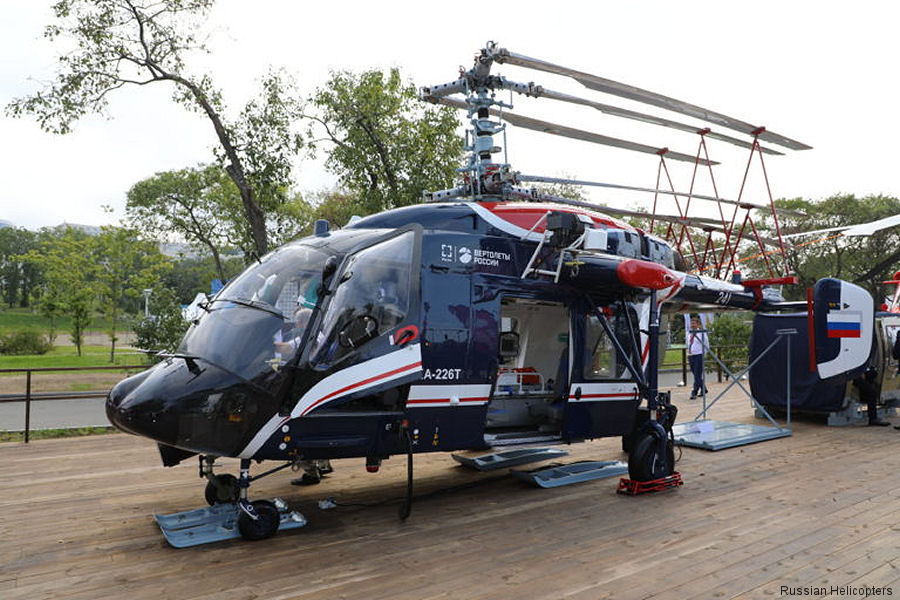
[465, 255]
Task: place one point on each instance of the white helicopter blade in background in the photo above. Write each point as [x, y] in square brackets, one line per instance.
[862, 229]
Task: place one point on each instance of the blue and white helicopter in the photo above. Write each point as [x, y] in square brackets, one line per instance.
[490, 315]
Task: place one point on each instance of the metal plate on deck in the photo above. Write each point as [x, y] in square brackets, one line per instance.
[214, 524]
[575, 473]
[718, 435]
[509, 458]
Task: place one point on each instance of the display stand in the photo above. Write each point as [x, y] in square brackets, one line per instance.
[709, 434]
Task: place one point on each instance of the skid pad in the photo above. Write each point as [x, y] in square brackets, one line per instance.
[215, 524]
[575, 473]
[509, 458]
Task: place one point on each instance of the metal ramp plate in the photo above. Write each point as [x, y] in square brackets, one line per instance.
[575, 473]
[215, 524]
[718, 435]
[509, 458]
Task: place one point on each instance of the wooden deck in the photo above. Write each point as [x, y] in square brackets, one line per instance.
[815, 510]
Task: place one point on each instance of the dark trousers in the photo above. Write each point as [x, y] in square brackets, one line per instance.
[696, 363]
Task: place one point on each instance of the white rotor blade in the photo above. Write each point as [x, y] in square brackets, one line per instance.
[600, 84]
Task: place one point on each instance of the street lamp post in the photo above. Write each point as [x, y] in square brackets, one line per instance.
[147, 293]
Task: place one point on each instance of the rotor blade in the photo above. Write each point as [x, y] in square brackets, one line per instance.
[571, 132]
[527, 194]
[600, 84]
[860, 229]
[864, 229]
[538, 91]
[615, 186]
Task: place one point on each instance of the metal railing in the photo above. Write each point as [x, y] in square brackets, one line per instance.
[29, 395]
[717, 349]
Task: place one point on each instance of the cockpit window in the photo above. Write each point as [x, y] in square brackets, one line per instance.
[256, 323]
[371, 298]
[284, 280]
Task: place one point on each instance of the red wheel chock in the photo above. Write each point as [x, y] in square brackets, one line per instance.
[633, 488]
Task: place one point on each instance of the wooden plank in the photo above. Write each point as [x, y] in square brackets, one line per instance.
[76, 523]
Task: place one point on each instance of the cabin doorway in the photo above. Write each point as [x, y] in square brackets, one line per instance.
[532, 379]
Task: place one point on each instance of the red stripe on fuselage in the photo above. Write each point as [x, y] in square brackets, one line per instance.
[360, 383]
[526, 214]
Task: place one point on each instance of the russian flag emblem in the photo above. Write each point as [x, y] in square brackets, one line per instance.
[844, 324]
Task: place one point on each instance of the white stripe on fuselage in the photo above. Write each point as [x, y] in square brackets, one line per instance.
[346, 381]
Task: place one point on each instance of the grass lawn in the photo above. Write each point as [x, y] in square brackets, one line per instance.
[46, 434]
[66, 356]
[19, 319]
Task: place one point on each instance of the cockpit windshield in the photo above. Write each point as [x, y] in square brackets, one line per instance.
[256, 323]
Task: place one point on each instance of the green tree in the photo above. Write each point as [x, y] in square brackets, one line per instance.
[123, 266]
[864, 260]
[163, 329]
[730, 338]
[191, 275]
[66, 259]
[117, 43]
[196, 205]
[384, 145]
[17, 277]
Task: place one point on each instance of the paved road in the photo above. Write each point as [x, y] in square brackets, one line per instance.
[54, 414]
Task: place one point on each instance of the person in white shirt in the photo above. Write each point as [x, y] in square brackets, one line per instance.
[698, 344]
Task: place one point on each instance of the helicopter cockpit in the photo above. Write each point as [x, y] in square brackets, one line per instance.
[265, 312]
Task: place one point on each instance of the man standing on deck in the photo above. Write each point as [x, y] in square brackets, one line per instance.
[698, 344]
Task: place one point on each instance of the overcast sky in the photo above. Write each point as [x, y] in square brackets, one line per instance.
[820, 72]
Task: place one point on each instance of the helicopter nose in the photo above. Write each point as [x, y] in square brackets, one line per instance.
[132, 410]
[191, 405]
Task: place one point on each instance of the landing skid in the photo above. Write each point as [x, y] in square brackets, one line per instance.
[216, 523]
[579, 472]
[509, 458]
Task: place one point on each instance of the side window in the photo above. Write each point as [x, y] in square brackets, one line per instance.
[601, 360]
[372, 298]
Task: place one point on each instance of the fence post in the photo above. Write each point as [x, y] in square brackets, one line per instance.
[684, 365]
[27, 404]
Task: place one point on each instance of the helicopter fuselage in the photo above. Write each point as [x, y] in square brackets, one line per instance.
[417, 329]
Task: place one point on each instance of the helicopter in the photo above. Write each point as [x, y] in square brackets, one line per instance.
[491, 315]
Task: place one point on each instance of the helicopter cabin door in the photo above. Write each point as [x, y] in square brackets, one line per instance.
[532, 373]
[602, 396]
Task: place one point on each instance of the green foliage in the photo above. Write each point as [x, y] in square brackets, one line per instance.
[163, 329]
[266, 137]
[24, 342]
[105, 271]
[384, 145]
[66, 260]
[17, 277]
[114, 43]
[865, 261]
[190, 276]
[123, 267]
[200, 205]
[730, 338]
